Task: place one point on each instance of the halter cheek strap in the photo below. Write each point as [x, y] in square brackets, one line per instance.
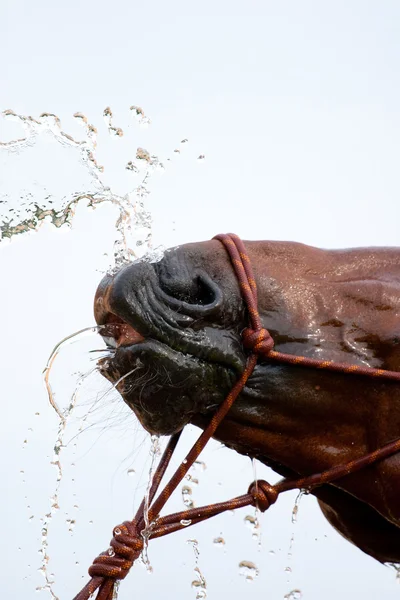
[127, 541]
[258, 340]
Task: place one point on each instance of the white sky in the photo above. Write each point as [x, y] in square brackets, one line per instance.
[295, 107]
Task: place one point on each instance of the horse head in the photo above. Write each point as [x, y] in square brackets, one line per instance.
[174, 330]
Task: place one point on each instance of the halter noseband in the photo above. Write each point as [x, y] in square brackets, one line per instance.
[127, 542]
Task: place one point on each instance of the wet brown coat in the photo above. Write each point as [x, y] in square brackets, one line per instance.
[333, 305]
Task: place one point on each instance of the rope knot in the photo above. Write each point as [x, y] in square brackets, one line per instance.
[125, 547]
[263, 494]
[258, 341]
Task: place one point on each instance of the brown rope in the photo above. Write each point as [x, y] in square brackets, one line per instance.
[128, 541]
[258, 339]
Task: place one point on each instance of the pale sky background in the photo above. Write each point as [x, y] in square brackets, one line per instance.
[295, 107]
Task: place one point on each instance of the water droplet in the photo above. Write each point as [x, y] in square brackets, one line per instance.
[146, 532]
[130, 166]
[254, 525]
[294, 513]
[296, 506]
[272, 552]
[193, 480]
[396, 567]
[293, 595]
[250, 521]
[116, 131]
[186, 522]
[288, 569]
[71, 524]
[199, 465]
[155, 445]
[117, 531]
[138, 112]
[142, 154]
[130, 472]
[184, 461]
[187, 496]
[200, 583]
[248, 569]
[111, 552]
[219, 541]
[185, 141]
[201, 158]
[81, 116]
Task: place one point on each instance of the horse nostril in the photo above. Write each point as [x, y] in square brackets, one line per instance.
[205, 293]
[197, 292]
[194, 295]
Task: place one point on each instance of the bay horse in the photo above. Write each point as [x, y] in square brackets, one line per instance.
[176, 351]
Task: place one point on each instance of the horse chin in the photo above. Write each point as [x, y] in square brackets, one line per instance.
[164, 387]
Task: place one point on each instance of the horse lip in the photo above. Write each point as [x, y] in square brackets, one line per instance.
[116, 332]
[131, 305]
[114, 329]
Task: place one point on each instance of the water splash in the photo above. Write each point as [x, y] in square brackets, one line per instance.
[64, 416]
[117, 583]
[28, 201]
[254, 468]
[254, 522]
[56, 462]
[146, 532]
[296, 506]
[288, 568]
[41, 195]
[199, 584]
[50, 361]
[21, 211]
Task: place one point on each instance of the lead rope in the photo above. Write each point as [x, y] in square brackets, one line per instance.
[127, 542]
